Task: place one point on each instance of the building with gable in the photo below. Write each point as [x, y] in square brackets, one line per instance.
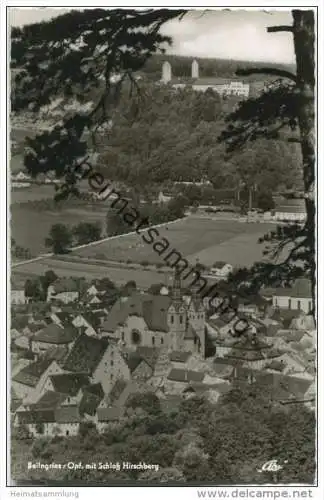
[223, 86]
[29, 382]
[99, 359]
[295, 298]
[63, 290]
[52, 336]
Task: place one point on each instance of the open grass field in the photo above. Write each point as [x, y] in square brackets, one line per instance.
[30, 227]
[144, 279]
[208, 240]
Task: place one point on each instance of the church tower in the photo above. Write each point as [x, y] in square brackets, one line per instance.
[197, 318]
[166, 72]
[177, 315]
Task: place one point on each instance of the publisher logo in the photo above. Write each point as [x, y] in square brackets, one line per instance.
[271, 466]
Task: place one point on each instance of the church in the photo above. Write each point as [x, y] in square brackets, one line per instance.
[223, 86]
[161, 321]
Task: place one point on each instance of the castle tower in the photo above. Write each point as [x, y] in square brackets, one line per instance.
[166, 72]
[194, 69]
[177, 316]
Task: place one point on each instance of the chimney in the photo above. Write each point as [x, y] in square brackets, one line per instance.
[194, 69]
[166, 72]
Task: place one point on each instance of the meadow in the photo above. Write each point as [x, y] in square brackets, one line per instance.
[195, 238]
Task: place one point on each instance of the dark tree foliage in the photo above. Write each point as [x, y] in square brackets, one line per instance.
[285, 111]
[59, 239]
[265, 201]
[85, 232]
[70, 58]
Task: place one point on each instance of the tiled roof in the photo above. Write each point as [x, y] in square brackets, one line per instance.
[49, 401]
[219, 264]
[35, 417]
[273, 352]
[110, 414]
[57, 353]
[55, 334]
[282, 387]
[291, 335]
[86, 354]
[64, 316]
[133, 360]
[67, 415]
[180, 356]
[275, 365]
[223, 370]
[31, 374]
[179, 375]
[69, 383]
[153, 308]
[149, 354]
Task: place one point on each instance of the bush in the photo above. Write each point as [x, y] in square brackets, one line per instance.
[87, 429]
[21, 433]
[39, 448]
[144, 263]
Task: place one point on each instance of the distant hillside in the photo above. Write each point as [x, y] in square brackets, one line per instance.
[222, 68]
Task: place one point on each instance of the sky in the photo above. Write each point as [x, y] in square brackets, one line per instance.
[226, 34]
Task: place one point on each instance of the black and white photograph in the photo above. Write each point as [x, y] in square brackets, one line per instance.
[162, 247]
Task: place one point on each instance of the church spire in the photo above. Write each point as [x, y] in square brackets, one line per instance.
[176, 289]
[196, 287]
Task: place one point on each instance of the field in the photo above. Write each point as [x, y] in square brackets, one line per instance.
[30, 228]
[195, 238]
[89, 271]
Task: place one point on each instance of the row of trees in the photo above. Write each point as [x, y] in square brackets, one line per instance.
[61, 237]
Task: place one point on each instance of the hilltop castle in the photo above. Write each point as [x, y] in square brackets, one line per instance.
[223, 86]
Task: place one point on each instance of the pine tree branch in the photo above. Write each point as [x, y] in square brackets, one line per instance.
[267, 71]
[278, 29]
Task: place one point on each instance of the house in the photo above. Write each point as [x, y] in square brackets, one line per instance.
[291, 211]
[220, 85]
[89, 321]
[18, 297]
[179, 359]
[64, 290]
[109, 416]
[141, 363]
[99, 359]
[52, 336]
[47, 417]
[69, 384]
[252, 306]
[221, 270]
[159, 321]
[295, 298]
[163, 198]
[28, 383]
[62, 318]
[250, 351]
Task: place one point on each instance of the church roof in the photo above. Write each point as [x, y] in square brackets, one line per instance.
[152, 308]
